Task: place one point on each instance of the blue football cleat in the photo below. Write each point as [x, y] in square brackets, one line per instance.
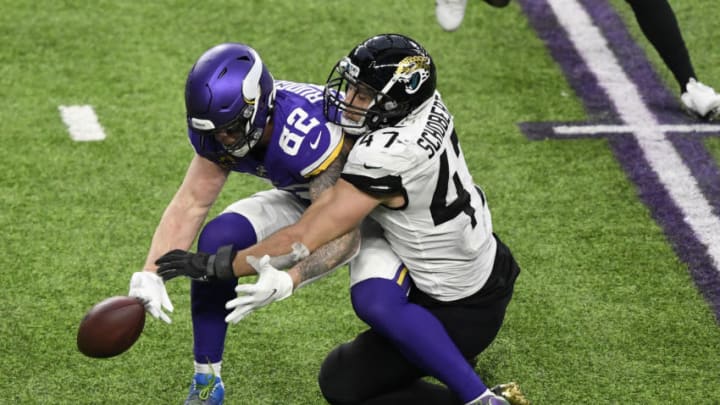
[206, 389]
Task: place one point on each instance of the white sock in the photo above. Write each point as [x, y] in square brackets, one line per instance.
[205, 368]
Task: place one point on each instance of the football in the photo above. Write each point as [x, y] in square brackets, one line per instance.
[111, 327]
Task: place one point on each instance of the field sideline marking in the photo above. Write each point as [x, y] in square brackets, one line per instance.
[659, 151]
[659, 146]
[82, 123]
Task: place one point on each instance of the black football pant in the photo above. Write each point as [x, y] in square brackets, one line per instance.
[369, 370]
[657, 21]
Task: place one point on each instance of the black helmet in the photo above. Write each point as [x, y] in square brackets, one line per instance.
[397, 72]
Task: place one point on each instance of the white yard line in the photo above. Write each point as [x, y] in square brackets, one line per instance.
[82, 123]
[659, 152]
[626, 129]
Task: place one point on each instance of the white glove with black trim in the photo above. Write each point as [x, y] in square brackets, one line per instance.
[272, 285]
[150, 288]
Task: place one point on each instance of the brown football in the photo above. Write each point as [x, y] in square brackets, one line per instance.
[111, 327]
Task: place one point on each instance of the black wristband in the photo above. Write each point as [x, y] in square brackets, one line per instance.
[210, 268]
[222, 265]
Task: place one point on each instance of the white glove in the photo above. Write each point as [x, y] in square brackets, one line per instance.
[150, 288]
[272, 285]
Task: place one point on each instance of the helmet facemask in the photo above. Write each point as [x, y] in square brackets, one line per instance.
[379, 112]
[395, 73]
[240, 128]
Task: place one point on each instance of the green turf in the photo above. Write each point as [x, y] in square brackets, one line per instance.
[604, 311]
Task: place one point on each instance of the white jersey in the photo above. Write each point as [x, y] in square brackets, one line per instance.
[443, 234]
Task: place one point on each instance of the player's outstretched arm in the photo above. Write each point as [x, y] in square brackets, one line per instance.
[186, 212]
[177, 229]
[337, 252]
[336, 212]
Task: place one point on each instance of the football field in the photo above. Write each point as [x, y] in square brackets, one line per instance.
[605, 190]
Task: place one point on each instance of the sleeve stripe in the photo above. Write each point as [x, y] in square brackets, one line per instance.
[401, 276]
[386, 185]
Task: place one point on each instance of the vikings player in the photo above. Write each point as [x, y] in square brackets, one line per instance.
[241, 120]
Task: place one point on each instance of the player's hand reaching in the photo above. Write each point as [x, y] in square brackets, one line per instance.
[272, 285]
[182, 263]
[150, 288]
[197, 266]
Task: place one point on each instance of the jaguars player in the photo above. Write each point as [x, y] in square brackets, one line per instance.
[241, 120]
[407, 172]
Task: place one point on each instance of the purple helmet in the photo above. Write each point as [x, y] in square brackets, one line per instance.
[230, 89]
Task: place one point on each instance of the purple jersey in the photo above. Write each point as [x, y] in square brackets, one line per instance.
[302, 144]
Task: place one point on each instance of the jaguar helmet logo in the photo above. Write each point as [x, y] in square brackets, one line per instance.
[413, 71]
